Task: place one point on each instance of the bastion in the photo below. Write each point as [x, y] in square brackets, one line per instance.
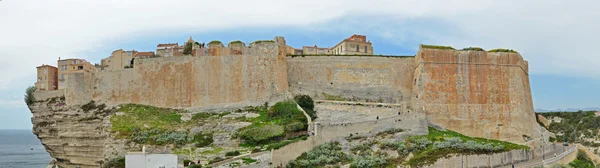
[477, 93]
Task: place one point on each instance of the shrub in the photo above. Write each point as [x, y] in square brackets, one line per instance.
[390, 131]
[256, 150]
[363, 148]
[261, 134]
[248, 160]
[402, 150]
[502, 50]
[116, 163]
[368, 162]
[178, 138]
[307, 104]
[203, 140]
[186, 162]
[324, 154]
[388, 145]
[286, 110]
[29, 98]
[196, 166]
[473, 49]
[437, 47]
[295, 126]
[232, 153]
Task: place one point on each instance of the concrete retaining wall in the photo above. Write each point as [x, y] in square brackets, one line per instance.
[331, 132]
[495, 160]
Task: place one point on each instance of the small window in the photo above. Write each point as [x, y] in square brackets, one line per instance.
[45, 71]
[357, 48]
[80, 67]
[62, 76]
[42, 85]
[74, 62]
[365, 49]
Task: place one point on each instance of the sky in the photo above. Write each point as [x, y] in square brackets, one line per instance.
[557, 37]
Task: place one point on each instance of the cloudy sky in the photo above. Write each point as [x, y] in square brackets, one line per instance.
[557, 37]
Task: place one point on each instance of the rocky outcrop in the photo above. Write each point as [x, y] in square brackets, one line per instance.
[72, 135]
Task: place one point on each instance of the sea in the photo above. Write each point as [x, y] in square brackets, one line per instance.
[22, 149]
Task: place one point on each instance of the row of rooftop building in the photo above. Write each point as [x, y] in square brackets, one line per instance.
[52, 78]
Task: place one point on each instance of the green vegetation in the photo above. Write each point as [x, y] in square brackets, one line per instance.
[437, 144]
[262, 41]
[573, 125]
[203, 140]
[348, 55]
[277, 145]
[159, 137]
[236, 42]
[473, 49]
[280, 121]
[248, 160]
[437, 47]
[196, 166]
[188, 49]
[334, 97]
[368, 162]
[142, 117]
[214, 42]
[116, 163]
[390, 131]
[262, 134]
[502, 50]
[328, 153]
[29, 98]
[232, 153]
[582, 161]
[307, 103]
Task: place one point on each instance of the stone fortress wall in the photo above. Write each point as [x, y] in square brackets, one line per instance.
[251, 77]
[483, 94]
[474, 92]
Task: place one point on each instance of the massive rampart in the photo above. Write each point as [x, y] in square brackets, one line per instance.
[374, 78]
[475, 92]
[478, 93]
[249, 78]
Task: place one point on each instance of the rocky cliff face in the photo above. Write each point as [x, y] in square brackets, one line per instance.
[71, 135]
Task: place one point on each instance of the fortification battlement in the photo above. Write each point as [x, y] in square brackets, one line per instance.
[217, 48]
[472, 57]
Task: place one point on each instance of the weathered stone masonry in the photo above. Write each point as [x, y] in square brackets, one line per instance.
[474, 92]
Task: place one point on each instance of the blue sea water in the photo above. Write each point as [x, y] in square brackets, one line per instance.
[15, 150]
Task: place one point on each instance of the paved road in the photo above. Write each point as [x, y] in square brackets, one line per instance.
[539, 160]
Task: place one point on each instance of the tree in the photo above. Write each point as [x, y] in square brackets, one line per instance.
[188, 49]
[29, 98]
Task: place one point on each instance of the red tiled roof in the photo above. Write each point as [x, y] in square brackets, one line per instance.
[167, 45]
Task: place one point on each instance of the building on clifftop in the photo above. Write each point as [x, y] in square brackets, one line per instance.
[47, 78]
[68, 66]
[353, 45]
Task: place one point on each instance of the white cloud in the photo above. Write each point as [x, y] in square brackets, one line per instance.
[556, 36]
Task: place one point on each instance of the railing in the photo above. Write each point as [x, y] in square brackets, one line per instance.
[558, 157]
[554, 159]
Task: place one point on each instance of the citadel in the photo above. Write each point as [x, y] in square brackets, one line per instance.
[475, 92]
